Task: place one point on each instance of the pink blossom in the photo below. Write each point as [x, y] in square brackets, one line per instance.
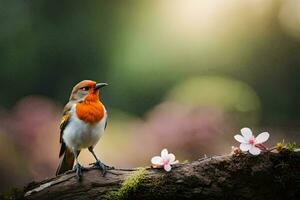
[251, 143]
[165, 160]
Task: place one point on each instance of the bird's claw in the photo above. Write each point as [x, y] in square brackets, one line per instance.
[99, 165]
[78, 169]
[109, 167]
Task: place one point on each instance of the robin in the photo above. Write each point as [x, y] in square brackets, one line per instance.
[83, 123]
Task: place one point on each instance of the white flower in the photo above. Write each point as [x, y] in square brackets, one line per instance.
[165, 160]
[249, 142]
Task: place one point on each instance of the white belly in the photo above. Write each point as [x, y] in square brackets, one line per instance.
[79, 134]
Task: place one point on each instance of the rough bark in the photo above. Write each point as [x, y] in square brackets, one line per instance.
[267, 176]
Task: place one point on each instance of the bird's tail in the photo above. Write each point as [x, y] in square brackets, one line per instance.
[66, 162]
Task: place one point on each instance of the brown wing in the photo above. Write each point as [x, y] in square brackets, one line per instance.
[63, 124]
[65, 154]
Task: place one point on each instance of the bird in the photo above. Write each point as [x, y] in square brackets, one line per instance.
[83, 123]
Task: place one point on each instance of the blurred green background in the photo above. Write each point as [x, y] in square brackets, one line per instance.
[185, 75]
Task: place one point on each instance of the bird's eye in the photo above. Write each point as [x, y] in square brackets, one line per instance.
[85, 88]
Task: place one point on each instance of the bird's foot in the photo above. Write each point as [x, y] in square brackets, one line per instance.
[109, 167]
[78, 169]
[99, 165]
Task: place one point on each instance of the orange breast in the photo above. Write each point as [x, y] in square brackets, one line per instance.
[90, 112]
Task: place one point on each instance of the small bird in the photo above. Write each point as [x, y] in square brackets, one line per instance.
[83, 123]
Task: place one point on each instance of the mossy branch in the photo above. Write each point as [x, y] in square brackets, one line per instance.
[267, 176]
[129, 186]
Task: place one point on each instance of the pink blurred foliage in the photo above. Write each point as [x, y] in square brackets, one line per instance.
[33, 126]
[187, 131]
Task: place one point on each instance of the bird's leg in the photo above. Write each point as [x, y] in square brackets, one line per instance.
[98, 164]
[78, 168]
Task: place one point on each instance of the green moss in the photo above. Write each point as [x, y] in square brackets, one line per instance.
[291, 146]
[130, 184]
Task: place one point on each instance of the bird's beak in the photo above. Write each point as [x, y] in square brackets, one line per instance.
[100, 85]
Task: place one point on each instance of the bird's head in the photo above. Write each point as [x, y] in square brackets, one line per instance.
[86, 90]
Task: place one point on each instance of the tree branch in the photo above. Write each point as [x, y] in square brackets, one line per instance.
[267, 176]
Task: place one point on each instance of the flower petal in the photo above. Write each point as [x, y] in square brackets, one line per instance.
[167, 167]
[171, 157]
[246, 132]
[164, 154]
[254, 150]
[261, 138]
[157, 160]
[245, 147]
[239, 138]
